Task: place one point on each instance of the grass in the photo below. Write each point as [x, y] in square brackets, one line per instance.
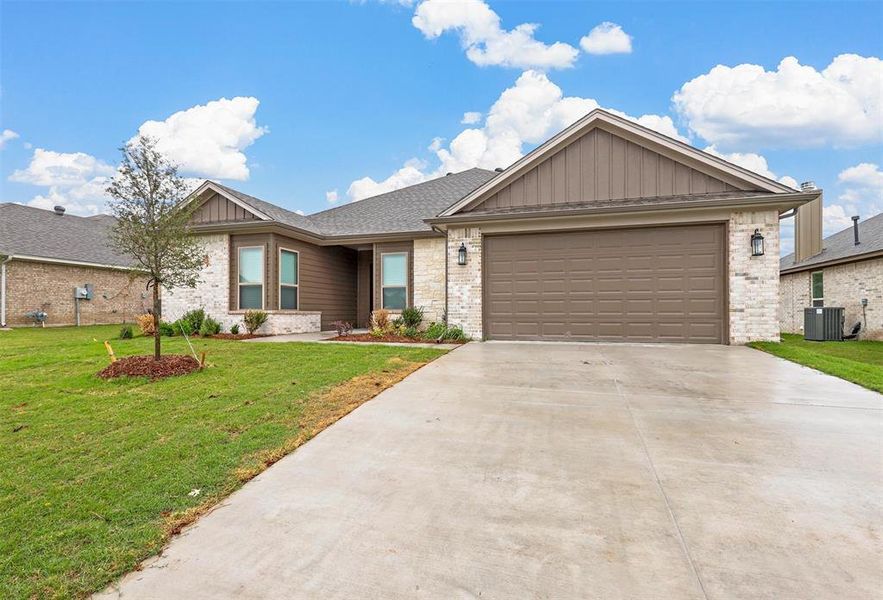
[95, 475]
[860, 362]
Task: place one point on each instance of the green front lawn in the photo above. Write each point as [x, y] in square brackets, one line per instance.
[94, 475]
[860, 362]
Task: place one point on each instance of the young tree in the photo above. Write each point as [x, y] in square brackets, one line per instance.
[147, 196]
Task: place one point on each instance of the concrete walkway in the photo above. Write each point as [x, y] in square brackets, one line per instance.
[562, 471]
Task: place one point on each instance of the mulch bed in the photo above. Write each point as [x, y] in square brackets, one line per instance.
[238, 336]
[145, 366]
[367, 337]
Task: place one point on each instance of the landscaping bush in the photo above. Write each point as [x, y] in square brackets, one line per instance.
[126, 332]
[412, 316]
[145, 323]
[435, 331]
[455, 333]
[343, 328]
[234, 329]
[209, 327]
[380, 322]
[254, 319]
[191, 321]
[410, 332]
[168, 329]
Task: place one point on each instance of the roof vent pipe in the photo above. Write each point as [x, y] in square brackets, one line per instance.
[499, 169]
[855, 229]
[808, 186]
[59, 210]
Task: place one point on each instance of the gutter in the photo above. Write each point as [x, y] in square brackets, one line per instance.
[312, 238]
[832, 262]
[3, 291]
[78, 263]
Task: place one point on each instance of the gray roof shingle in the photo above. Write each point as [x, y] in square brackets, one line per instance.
[841, 245]
[29, 231]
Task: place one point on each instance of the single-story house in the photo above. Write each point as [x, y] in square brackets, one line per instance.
[607, 231]
[46, 255]
[847, 272]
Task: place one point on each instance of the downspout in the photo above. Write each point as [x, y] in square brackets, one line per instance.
[3, 291]
[436, 229]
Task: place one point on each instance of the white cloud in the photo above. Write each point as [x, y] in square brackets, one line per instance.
[300, 212]
[470, 118]
[366, 187]
[863, 175]
[862, 195]
[529, 112]
[485, 41]
[793, 106]
[607, 38]
[331, 196]
[208, 140]
[6, 136]
[76, 180]
[753, 162]
[435, 144]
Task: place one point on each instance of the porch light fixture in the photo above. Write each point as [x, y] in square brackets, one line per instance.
[461, 254]
[756, 243]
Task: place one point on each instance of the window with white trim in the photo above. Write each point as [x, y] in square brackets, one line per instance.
[251, 277]
[817, 288]
[288, 279]
[394, 280]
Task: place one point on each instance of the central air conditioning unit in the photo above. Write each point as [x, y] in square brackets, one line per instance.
[823, 323]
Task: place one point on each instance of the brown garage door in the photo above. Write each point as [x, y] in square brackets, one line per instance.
[654, 284]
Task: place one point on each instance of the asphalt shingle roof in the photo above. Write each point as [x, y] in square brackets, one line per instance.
[841, 245]
[399, 211]
[29, 231]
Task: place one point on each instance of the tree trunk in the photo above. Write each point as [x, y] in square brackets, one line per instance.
[156, 318]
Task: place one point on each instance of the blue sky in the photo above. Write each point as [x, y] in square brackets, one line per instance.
[349, 97]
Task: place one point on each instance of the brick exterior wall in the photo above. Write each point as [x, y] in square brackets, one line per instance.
[117, 298]
[464, 281]
[429, 277]
[844, 285]
[212, 294]
[753, 280]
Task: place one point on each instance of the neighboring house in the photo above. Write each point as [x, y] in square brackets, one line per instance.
[608, 231]
[45, 255]
[847, 272]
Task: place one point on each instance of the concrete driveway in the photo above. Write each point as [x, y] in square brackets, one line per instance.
[562, 471]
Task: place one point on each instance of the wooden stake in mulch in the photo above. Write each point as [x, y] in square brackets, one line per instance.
[202, 360]
[113, 357]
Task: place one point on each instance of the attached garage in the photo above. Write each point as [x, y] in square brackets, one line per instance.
[646, 284]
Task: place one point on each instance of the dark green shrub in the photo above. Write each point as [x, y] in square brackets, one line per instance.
[234, 329]
[168, 329]
[209, 327]
[435, 331]
[191, 321]
[412, 316]
[455, 333]
[254, 319]
[126, 332]
[410, 332]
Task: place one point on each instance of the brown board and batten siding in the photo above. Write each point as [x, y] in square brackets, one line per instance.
[326, 275]
[387, 248]
[648, 284]
[602, 166]
[218, 209]
[364, 288]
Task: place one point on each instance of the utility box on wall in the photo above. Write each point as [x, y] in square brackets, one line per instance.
[823, 323]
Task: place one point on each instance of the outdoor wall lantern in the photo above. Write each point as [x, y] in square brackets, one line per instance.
[461, 254]
[756, 243]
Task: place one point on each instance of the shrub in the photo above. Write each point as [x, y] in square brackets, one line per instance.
[254, 319]
[380, 323]
[168, 329]
[435, 331]
[145, 323]
[412, 316]
[234, 329]
[209, 327]
[126, 332]
[410, 332]
[191, 321]
[343, 328]
[455, 333]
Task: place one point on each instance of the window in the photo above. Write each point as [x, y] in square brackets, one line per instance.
[394, 280]
[818, 289]
[251, 277]
[288, 272]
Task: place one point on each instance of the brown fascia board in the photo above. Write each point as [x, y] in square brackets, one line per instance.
[781, 202]
[310, 237]
[832, 263]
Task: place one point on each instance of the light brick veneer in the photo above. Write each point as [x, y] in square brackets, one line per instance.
[464, 281]
[753, 280]
[429, 277]
[34, 285]
[212, 294]
[844, 285]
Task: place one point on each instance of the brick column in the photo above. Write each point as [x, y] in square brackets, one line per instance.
[753, 280]
[464, 281]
